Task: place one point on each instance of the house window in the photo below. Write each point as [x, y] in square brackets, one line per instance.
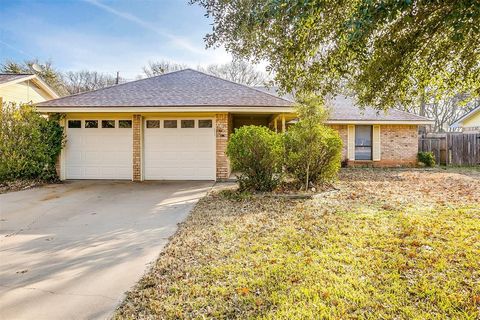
[108, 123]
[74, 123]
[153, 124]
[124, 123]
[204, 123]
[169, 124]
[188, 123]
[363, 142]
[91, 123]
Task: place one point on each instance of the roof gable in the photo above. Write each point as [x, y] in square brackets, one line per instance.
[7, 79]
[180, 88]
[465, 117]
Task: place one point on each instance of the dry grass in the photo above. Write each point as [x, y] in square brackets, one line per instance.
[389, 244]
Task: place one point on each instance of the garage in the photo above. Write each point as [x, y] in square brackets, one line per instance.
[179, 149]
[98, 149]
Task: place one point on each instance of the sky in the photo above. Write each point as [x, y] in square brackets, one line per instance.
[105, 35]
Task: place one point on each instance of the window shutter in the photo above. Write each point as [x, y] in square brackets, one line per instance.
[376, 144]
[351, 143]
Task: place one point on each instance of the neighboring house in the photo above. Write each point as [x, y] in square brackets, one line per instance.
[24, 88]
[176, 127]
[469, 122]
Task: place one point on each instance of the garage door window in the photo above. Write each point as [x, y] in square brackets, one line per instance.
[153, 124]
[188, 123]
[204, 123]
[91, 123]
[74, 124]
[170, 124]
[108, 124]
[124, 123]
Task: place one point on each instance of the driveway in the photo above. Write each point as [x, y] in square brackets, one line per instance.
[70, 251]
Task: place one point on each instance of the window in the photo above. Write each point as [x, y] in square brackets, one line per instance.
[153, 124]
[91, 123]
[188, 123]
[124, 123]
[170, 124]
[108, 123]
[204, 123]
[74, 123]
[363, 142]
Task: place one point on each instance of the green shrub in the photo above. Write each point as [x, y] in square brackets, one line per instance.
[29, 143]
[256, 154]
[312, 150]
[312, 155]
[427, 158]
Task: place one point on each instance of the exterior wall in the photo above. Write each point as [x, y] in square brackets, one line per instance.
[223, 123]
[343, 132]
[472, 121]
[23, 92]
[137, 147]
[398, 143]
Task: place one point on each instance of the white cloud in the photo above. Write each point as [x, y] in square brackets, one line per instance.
[175, 39]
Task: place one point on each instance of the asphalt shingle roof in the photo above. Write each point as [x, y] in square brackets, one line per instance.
[344, 108]
[7, 77]
[181, 88]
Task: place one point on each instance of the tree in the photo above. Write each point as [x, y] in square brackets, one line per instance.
[388, 51]
[84, 80]
[44, 70]
[312, 150]
[156, 68]
[239, 71]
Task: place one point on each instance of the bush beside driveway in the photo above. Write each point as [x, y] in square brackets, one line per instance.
[397, 244]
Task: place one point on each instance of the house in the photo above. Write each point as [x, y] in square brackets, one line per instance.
[176, 127]
[24, 88]
[469, 122]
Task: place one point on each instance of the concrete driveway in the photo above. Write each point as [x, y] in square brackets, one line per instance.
[70, 251]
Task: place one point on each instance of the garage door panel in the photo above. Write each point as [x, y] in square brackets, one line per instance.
[179, 154]
[103, 153]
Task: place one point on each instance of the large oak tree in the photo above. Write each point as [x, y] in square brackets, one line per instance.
[386, 51]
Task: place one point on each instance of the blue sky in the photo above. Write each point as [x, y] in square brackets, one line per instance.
[106, 36]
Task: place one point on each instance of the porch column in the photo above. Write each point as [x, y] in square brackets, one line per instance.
[283, 124]
[137, 147]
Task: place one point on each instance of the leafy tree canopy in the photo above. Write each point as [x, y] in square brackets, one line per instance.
[387, 51]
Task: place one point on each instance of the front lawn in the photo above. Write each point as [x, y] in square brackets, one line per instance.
[389, 244]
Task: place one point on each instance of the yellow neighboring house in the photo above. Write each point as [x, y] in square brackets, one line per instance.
[24, 88]
[469, 122]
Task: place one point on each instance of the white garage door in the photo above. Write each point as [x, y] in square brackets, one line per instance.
[98, 149]
[179, 149]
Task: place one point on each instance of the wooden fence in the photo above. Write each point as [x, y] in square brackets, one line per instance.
[452, 148]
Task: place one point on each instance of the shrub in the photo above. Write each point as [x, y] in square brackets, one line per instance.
[427, 158]
[312, 150]
[256, 153]
[312, 155]
[29, 143]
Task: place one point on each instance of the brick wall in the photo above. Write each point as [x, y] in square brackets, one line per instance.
[343, 132]
[399, 145]
[223, 123]
[137, 147]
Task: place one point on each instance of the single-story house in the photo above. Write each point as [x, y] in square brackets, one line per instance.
[469, 122]
[176, 127]
[24, 88]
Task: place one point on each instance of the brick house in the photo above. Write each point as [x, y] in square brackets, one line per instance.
[176, 127]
